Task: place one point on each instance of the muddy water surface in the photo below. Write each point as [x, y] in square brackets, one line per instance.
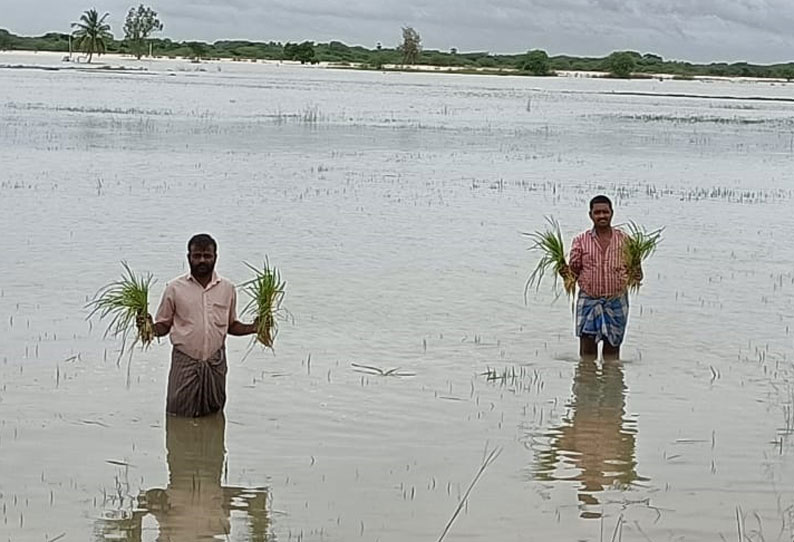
[394, 206]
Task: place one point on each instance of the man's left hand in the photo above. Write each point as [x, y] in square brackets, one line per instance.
[239, 329]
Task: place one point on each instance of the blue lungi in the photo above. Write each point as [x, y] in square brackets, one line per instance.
[603, 318]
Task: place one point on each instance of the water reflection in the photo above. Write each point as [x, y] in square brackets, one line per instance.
[195, 505]
[595, 443]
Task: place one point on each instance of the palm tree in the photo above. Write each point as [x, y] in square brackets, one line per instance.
[91, 33]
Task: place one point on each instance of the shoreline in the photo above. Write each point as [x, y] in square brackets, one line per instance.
[56, 61]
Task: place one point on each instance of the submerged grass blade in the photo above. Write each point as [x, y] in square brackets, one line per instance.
[485, 464]
[266, 291]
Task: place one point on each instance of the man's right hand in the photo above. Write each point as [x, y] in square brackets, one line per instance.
[141, 320]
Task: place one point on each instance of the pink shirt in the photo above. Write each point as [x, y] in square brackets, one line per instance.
[600, 273]
[199, 317]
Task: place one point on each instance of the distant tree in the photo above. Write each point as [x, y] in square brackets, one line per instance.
[377, 61]
[306, 53]
[621, 64]
[561, 63]
[302, 52]
[651, 58]
[5, 40]
[138, 26]
[437, 58]
[453, 51]
[787, 72]
[197, 49]
[536, 62]
[289, 50]
[411, 46]
[92, 33]
[486, 61]
[379, 46]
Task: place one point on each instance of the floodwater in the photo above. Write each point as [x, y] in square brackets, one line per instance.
[393, 205]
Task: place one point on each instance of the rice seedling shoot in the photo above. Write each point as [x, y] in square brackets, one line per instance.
[126, 303]
[266, 290]
[637, 247]
[552, 248]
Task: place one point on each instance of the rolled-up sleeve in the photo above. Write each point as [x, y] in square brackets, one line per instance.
[165, 312]
[233, 307]
[575, 258]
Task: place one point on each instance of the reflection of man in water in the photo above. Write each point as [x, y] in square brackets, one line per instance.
[192, 506]
[198, 310]
[195, 506]
[596, 260]
[595, 438]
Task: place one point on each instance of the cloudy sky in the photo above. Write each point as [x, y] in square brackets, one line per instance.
[698, 30]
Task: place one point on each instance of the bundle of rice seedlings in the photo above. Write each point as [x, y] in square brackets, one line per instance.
[552, 248]
[126, 303]
[266, 290]
[639, 244]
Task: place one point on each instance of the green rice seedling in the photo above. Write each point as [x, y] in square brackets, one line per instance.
[552, 248]
[266, 290]
[126, 303]
[639, 244]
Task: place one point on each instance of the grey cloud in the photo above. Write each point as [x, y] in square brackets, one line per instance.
[700, 30]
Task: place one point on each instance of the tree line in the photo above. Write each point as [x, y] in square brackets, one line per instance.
[91, 34]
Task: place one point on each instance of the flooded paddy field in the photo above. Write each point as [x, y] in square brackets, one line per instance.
[393, 205]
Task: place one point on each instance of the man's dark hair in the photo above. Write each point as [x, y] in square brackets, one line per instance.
[202, 240]
[600, 199]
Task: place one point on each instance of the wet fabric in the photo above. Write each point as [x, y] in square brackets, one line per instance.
[196, 387]
[603, 318]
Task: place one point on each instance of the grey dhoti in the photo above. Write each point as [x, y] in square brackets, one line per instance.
[196, 387]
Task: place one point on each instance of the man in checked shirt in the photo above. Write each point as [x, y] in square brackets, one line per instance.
[602, 307]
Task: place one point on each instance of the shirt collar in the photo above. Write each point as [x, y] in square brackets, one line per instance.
[215, 279]
[595, 235]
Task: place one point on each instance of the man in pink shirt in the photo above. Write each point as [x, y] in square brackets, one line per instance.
[197, 311]
[602, 308]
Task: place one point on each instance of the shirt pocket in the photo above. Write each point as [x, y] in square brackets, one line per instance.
[219, 315]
